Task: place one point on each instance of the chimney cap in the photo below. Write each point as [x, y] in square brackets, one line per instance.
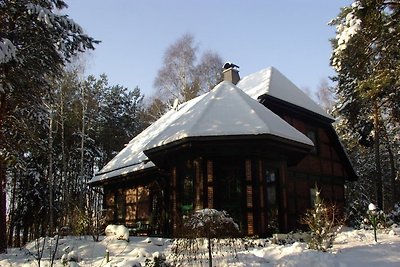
[231, 73]
[229, 65]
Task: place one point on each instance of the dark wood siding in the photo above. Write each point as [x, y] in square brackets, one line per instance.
[323, 168]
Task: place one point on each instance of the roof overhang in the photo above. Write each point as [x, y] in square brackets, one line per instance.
[262, 146]
[137, 176]
[274, 103]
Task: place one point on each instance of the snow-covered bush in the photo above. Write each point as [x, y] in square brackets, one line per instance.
[158, 260]
[394, 215]
[210, 223]
[203, 233]
[70, 256]
[290, 238]
[252, 242]
[87, 222]
[355, 213]
[120, 231]
[322, 220]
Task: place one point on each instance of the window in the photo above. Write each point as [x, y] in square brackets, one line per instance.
[271, 181]
[230, 192]
[119, 207]
[188, 189]
[187, 201]
[313, 196]
[312, 134]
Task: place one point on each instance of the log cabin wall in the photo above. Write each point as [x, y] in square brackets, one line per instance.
[212, 183]
[127, 205]
[142, 198]
[270, 179]
[322, 168]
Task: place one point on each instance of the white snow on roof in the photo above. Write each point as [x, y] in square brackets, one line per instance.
[132, 158]
[271, 82]
[224, 111]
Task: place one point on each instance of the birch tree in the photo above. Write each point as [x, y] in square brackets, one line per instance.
[182, 76]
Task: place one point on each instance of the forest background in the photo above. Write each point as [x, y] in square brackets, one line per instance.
[58, 126]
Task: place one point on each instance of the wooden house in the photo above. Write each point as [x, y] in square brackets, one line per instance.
[256, 149]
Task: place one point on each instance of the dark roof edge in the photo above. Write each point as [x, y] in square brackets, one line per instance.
[123, 167]
[120, 177]
[353, 176]
[292, 106]
[185, 140]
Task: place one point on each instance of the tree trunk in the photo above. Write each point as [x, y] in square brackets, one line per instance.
[209, 253]
[25, 234]
[391, 199]
[11, 225]
[3, 210]
[17, 237]
[392, 177]
[3, 182]
[378, 169]
[64, 179]
[83, 132]
[51, 178]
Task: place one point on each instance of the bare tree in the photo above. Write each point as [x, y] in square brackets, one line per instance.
[325, 95]
[182, 77]
[176, 78]
[209, 71]
[155, 109]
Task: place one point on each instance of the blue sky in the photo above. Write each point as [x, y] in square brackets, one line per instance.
[291, 35]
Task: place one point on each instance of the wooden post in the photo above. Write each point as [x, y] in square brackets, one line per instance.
[210, 186]
[174, 201]
[249, 198]
[107, 256]
[283, 210]
[263, 227]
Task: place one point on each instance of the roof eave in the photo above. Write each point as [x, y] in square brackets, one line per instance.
[123, 177]
[308, 113]
[158, 152]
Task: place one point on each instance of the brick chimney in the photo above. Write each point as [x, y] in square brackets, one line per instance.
[231, 73]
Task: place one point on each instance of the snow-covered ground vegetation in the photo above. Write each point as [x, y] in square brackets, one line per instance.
[119, 231]
[323, 222]
[205, 232]
[350, 248]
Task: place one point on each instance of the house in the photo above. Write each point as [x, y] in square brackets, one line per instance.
[255, 147]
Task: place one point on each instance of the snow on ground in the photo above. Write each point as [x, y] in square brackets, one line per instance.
[353, 248]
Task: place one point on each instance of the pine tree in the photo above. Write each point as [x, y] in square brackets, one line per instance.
[35, 43]
[321, 220]
[366, 60]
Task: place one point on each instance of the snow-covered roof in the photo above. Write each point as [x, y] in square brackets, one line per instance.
[271, 82]
[226, 111]
[132, 158]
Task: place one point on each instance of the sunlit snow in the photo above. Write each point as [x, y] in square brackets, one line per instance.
[351, 248]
